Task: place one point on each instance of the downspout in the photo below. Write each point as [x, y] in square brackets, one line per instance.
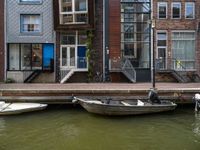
[5, 40]
[104, 40]
[152, 44]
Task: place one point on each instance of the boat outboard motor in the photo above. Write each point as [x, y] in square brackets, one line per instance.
[153, 96]
[197, 102]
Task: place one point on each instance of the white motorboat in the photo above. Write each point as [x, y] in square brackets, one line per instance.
[18, 108]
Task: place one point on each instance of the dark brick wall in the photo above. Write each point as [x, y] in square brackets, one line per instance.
[1, 40]
[97, 54]
[170, 24]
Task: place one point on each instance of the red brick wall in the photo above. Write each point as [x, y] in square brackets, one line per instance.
[178, 24]
[1, 40]
[114, 28]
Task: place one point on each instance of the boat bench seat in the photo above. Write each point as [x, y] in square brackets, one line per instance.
[125, 103]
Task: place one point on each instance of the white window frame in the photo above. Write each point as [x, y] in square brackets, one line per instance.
[166, 47]
[162, 3]
[185, 31]
[31, 32]
[179, 3]
[193, 4]
[76, 54]
[73, 12]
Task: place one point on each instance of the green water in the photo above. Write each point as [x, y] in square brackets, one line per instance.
[64, 128]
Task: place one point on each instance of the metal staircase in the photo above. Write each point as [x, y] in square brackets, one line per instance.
[31, 76]
[65, 75]
[128, 70]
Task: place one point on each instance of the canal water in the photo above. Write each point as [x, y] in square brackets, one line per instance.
[68, 128]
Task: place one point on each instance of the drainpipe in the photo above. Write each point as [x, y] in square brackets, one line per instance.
[103, 39]
[5, 40]
[106, 39]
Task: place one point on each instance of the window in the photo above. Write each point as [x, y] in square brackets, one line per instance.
[161, 49]
[183, 48]
[135, 32]
[30, 1]
[162, 10]
[25, 56]
[176, 10]
[73, 11]
[30, 23]
[189, 10]
[161, 38]
[13, 57]
[73, 50]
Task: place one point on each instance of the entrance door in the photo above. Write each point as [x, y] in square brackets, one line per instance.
[48, 57]
[82, 62]
[68, 57]
[162, 58]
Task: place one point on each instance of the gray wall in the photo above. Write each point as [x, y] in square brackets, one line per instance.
[13, 11]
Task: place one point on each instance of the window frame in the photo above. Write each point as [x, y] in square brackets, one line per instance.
[30, 32]
[172, 6]
[193, 4]
[68, 46]
[190, 39]
[73, 13]
[158, 5]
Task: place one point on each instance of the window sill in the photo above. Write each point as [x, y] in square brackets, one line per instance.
[31, 34]
[30, 3]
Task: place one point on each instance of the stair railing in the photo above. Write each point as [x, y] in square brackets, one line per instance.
[128, 69]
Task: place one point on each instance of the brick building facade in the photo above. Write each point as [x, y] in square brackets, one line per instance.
[121, 45]
[177, 37]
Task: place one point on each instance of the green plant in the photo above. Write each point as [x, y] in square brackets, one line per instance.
[89, 46]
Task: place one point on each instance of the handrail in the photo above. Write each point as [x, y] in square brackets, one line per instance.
[129, 70]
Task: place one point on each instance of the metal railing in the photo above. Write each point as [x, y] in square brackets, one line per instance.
[129, 70]
[125, 66]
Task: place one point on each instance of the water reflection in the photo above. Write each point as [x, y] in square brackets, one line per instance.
[2, 125]
[196, 124]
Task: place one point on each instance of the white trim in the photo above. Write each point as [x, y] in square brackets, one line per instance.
[158, 6]
[179, 3]
[193, 17]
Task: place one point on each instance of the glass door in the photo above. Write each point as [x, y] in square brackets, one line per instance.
[48, 57]
[68, 57]
[162, 58]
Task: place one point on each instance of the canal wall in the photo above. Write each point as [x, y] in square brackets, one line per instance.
[64, 93]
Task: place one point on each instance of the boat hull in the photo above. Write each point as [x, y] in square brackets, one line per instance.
[18, 108]
[126, 110]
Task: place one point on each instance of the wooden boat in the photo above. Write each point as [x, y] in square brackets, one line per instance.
[17, 108]
[122, 107]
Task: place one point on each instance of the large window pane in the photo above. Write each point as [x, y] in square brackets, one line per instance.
[30, 23]
[64, 56]
[14, 57]
[135, 32]
[162, 10]
[183, 50]
[80, 5]
[36, 56]
[189, 10]
[68, 38]
[66, 5]
[25, 56]
[176, 10]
